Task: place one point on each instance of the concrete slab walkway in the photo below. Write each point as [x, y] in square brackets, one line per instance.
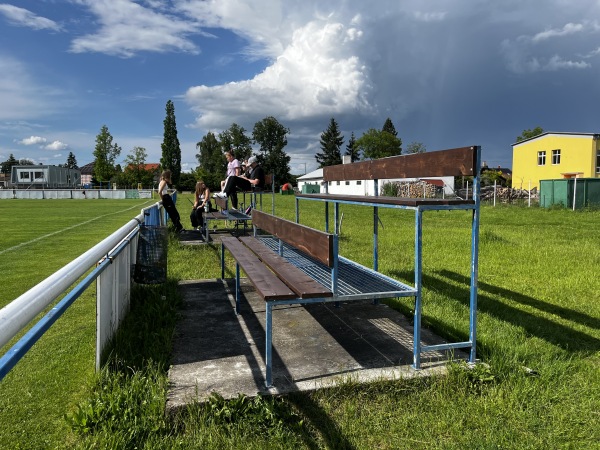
[314, 346]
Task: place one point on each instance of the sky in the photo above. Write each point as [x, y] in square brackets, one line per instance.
[448, 73]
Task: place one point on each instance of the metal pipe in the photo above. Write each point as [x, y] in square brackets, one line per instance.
[16, 315]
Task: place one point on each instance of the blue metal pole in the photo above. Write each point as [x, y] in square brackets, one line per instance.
[222, 261]
[327, 216]
[376, 228]
[474, 260]
[418, 287]
[237, 288]
[297, 210]
[269, 344]
[336, 217]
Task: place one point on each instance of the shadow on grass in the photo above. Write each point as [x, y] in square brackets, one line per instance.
[555, 333]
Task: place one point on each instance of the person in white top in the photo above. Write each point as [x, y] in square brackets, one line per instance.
[234, 168]
[167, 201]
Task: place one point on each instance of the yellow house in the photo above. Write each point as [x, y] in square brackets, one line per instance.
[554, 155]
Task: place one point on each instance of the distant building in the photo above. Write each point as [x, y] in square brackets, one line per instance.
[87, 173]
[312, 182]
[555, 155]
[45, 176]
[504, 173]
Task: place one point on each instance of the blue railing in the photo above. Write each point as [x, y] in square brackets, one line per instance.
[111, 261]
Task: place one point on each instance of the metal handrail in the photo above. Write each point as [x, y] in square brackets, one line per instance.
[15, 316]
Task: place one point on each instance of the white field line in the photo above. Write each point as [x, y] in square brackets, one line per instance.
[22, 244]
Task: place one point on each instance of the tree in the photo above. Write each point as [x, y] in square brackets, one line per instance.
[211, 160]
[270, 135]
[352, 150]
[26, 162]
[135, 169]
[105, 153]
[415, 147]
[376, 144]
[389, 127]
[7, 165]
[171, 151]
[331, 141]
[235, 139]
[528, 134]
[71, 162]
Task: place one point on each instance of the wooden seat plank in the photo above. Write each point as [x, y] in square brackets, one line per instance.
[296, 279]
[266, 282]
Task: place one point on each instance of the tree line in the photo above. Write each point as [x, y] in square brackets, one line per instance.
[268, 135]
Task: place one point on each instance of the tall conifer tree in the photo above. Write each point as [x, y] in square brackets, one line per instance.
[331, 142]
[171, 151]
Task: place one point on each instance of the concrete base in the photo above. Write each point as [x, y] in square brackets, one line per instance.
[314, 346]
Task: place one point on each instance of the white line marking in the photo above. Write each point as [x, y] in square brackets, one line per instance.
[22, 244]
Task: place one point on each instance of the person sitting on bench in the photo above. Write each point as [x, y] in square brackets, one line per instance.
[256, 179]
[201, 205]
[233, 167]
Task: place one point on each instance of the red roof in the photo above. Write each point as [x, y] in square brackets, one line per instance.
[434, 182]
[150, 167]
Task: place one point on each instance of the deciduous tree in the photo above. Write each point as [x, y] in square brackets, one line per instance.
[270, 135]
[528, 134]
[105, 153]
[376, 144]
[211, 160]
[415, 147]
[236, 140]
[135, 168]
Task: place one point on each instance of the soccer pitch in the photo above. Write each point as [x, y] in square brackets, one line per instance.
[41, 236]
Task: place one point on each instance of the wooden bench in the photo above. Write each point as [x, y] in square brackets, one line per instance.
[296, 264]
[456, 162]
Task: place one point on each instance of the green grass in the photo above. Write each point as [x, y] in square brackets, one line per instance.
[538, 332]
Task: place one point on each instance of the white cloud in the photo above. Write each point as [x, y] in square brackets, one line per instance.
[433, 16]
[568, 29]
[33, 140]
[56, 145]
[25, 18]
[127, 27]
[317, 74]
[538, 52]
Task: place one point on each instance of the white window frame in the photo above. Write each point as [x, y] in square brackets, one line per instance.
[541, 158]
[556, 157]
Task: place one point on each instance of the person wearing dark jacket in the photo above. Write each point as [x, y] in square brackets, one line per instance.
[254, 180]
[167, 201]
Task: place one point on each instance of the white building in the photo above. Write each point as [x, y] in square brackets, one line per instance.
[45, 176]
[314, 180]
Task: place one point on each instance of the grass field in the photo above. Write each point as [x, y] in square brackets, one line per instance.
[538, 324]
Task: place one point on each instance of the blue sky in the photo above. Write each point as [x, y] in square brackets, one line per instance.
[449, 73]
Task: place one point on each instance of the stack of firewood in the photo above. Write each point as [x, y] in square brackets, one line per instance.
[416, 189]
[505, 194]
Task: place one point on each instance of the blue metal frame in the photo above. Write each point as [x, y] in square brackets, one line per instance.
[419, 349]
[403, 290]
